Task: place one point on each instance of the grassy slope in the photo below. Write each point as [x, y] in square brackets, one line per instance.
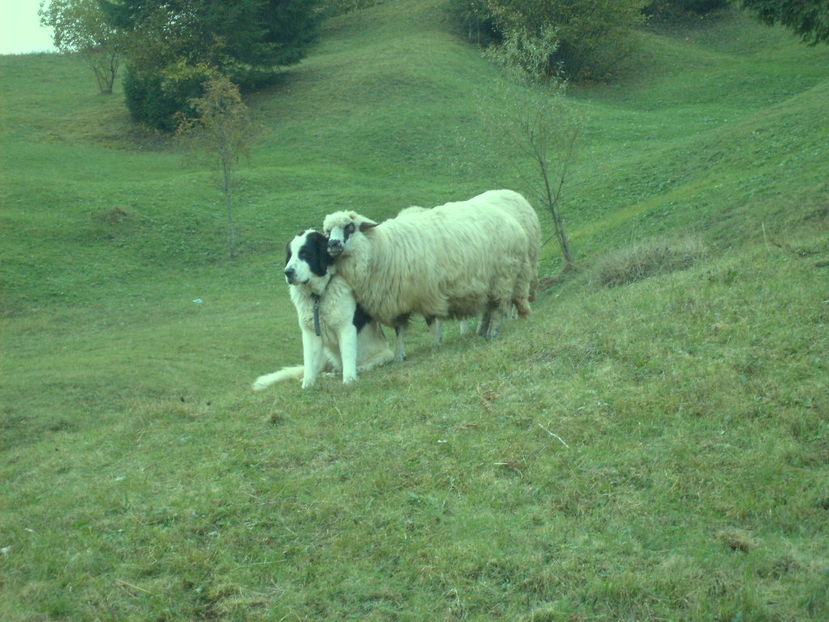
[146, 482]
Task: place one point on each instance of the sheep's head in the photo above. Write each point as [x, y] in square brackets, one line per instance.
[339, 227]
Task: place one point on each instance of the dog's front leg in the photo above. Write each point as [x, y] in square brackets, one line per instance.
[348, 352]
[313, 358]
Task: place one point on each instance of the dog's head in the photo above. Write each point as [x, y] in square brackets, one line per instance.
[308, 261]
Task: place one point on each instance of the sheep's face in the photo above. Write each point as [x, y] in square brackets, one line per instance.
[307, 260]
[340, 227]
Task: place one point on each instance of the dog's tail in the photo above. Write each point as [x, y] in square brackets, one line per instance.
[286, 373]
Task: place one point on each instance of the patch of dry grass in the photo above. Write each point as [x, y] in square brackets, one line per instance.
[646, 259]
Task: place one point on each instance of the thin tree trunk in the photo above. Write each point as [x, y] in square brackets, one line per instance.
[228, 190]
[552, 199]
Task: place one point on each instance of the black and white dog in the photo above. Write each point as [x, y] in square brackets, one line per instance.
[336, 333]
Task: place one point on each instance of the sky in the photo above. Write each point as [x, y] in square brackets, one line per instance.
[20, 29]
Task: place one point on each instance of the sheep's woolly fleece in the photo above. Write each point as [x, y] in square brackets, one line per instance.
[453, 261]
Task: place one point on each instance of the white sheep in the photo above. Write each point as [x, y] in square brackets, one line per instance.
[453, 261]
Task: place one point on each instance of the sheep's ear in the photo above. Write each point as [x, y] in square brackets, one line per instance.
[365, 226]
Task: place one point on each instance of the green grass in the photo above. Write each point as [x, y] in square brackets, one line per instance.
[652, 451]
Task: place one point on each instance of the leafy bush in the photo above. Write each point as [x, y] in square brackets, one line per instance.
[158, 99]
[531, 54]
[647, 259]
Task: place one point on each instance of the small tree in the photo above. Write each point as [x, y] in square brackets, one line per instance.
[548, 132]
[78, 26]
[222, 131]
[535, 119]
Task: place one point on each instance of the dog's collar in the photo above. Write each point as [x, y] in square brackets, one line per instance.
[317, 298]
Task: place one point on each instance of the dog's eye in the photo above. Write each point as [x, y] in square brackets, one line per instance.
[349, 229]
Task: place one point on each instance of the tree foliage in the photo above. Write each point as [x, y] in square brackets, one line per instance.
[531, 54]
[807, 18]
[592, 35]
[79, 27]
[156, 99]
[234, 36]
[171, 41]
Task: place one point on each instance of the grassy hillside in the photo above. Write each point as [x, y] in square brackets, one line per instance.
[656, 450]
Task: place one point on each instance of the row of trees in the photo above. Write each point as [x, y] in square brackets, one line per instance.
[172, 47]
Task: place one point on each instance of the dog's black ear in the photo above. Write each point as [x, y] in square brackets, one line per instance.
[320, 258]
[322, 251]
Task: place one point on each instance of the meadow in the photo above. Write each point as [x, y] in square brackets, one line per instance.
[651, 444]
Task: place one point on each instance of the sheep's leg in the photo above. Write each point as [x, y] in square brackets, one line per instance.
[486, 320]
[436, 328]
[522, 306]
[523, 291]
[400, 354]
[492, 318]
[494, 326]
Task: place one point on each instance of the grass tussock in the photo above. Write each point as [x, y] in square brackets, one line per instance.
[647, 259]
